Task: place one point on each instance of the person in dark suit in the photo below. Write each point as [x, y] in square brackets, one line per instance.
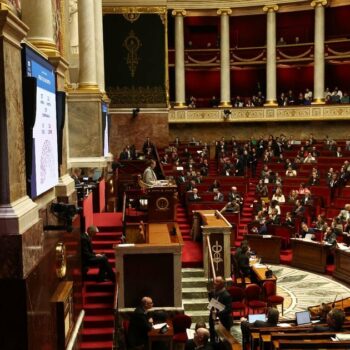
[272, 320]
[200, 341]
[139, 326]
[222, 296]
[148, 146]
[89, 258]
[193, 196]
[335, 321]
[305, 230]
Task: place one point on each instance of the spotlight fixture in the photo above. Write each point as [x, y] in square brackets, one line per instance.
[135, 112]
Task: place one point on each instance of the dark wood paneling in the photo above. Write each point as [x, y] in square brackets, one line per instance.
[149, 275]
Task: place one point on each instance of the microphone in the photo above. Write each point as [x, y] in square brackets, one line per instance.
[333, 304]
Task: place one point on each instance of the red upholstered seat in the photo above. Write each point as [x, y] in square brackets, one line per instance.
[271, 297]
[237, 297]
[181, 323]
[253, 296]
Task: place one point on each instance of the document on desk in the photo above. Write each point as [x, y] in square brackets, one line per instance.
[159, 325]
[284, 325]
[216, 305]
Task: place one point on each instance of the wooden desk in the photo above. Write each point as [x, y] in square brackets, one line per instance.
[342, 265]
[165, 233]
[260, 274]
[154, 335]
[266, 247]
[309, 255]
[160, 257]
[218, 229]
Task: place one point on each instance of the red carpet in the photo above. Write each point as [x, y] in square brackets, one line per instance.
[192, 255]
[108, 220]
[98, 299]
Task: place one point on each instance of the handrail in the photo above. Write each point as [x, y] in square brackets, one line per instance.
[211, 257]
[115, 310]
[72, 341]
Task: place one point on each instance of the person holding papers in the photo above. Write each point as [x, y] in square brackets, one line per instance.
[220, 307]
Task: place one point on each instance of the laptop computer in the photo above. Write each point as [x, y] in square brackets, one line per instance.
[302, 317]
[256, 317]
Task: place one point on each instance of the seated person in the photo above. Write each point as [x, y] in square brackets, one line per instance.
[279, 196]
[330, 237]
[89, 258]
[299, 209]
[140, 324]
[149, 176]
[261, 189]
[272, 320]
[193, 196]
[273, 219]
[304, 230]
[335, 321]
[233, 194]
[218, 196]
[200, 340]
[289, 220]
[320, 223]
[214, 185]
[344, 214]
[291, 172]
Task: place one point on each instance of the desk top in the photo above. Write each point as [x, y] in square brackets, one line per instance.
[213, 218]
[260, 270]
[161, 234]
[154, 334]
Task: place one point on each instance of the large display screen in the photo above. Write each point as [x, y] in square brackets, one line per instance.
[44, 169]
[106, 130]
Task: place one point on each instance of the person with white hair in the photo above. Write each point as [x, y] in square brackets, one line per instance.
[140, 324]
[200, 340]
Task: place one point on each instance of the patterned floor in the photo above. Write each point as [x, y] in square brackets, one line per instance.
[302, 289]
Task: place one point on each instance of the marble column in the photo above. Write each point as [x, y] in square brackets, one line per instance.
[100, 64]
[225, 91]
[271, 95]
[87, 46]
[319, 61]
[38, 15]
[180, 92]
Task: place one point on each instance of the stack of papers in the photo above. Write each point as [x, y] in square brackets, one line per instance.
[159, 325]
[342, 336]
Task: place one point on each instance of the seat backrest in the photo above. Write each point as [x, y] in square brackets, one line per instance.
[236, 293]
[252, 292]
[181, 322]
[269, 288]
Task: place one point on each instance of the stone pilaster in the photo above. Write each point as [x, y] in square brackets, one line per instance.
[225, 95]
[180, 92]
[319, 61]
[271, 82]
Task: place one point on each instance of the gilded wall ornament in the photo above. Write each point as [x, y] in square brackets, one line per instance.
[132, 44]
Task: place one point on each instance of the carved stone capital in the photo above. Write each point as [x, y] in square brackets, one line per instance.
[224, 12]
[317, 3]
[270, 8]
[179, 12]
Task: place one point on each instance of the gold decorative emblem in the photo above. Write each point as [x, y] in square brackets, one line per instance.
[61, 260]
[162, 203]
[131, 17]
[132, 44]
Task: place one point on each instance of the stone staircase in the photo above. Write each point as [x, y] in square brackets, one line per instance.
[195, 294]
